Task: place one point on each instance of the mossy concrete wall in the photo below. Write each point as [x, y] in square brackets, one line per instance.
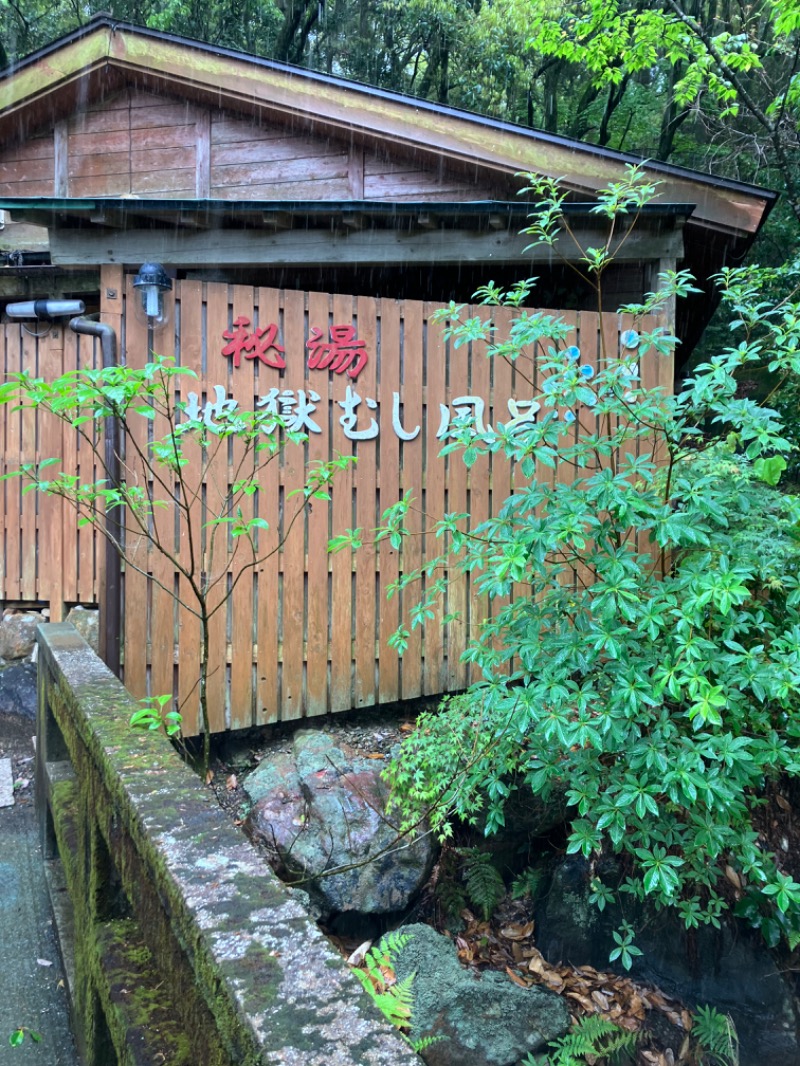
[186, 947]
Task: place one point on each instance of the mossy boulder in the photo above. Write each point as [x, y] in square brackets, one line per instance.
[483, 1019]
[321, 807]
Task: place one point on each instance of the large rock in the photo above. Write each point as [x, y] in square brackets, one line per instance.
[18, 634]
[87, 621]
[728, 968]
[18, 691]
[321, 807]
[483, 1019]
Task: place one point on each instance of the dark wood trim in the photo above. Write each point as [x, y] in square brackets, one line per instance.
[229, 247]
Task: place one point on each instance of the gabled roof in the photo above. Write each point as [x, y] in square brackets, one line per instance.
[106, 54]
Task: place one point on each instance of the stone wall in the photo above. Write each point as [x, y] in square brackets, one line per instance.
[181, 944]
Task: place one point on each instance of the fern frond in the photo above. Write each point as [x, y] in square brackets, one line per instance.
[528, 882]
[393, 943]
[717, 1037]
[451, 898]
[593, 1036]
[483, 881]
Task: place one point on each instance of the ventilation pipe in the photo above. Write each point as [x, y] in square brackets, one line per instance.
[111, 604]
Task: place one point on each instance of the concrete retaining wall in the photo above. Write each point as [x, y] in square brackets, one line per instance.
[182, 946]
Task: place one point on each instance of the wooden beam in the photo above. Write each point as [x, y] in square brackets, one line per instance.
[29, 285]
[61, 158]
[355, 172]
[428, 221]
[203, 155]
[111, 218]
[651, 280]
[229, 247]
[276, 220]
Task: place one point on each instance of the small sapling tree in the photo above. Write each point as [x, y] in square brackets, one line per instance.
[179, 470]
[649, 672]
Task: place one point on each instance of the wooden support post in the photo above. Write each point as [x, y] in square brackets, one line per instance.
[108, 592]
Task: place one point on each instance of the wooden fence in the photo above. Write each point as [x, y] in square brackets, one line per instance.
[306, 632]
[46, 558]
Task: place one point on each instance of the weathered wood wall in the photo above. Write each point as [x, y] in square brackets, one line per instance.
[307, 633]
[45, 557]
[139, 144]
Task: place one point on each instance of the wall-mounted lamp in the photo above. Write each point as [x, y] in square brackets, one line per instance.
[45, 309]
[152, 282]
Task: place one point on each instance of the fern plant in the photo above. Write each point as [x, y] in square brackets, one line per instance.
[451, 897]
[527, 883]
[393, 998]
[593, 1037]
[716, 1036]
[483, 881]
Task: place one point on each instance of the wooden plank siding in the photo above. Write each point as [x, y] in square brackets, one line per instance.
[306, 633]
[139, 144]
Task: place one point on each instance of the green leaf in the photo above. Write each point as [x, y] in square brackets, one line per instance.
[770, 470]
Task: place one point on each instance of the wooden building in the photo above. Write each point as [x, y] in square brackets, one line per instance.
[288, 206]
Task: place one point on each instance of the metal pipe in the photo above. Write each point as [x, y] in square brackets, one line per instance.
[46, 309]
[111, 603]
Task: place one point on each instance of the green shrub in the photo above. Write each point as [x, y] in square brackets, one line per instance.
[652, 667]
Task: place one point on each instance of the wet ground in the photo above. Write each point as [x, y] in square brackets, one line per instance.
[33, 996]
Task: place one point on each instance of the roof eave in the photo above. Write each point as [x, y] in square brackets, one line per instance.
[251, 83]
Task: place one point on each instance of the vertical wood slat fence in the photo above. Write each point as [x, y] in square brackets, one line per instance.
[305, 633]
[46, 557]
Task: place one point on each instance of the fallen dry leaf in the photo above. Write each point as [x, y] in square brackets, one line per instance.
[536, 964]
[209, 776]
[733, 877]
[376, 755]
[628, 1023]
[783, 803]
[601, 1000]
[636, 1005]
[553, 981]
[584, 1001]
[231, 783]
[517, 931]
[516, 978]
[359, 954]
